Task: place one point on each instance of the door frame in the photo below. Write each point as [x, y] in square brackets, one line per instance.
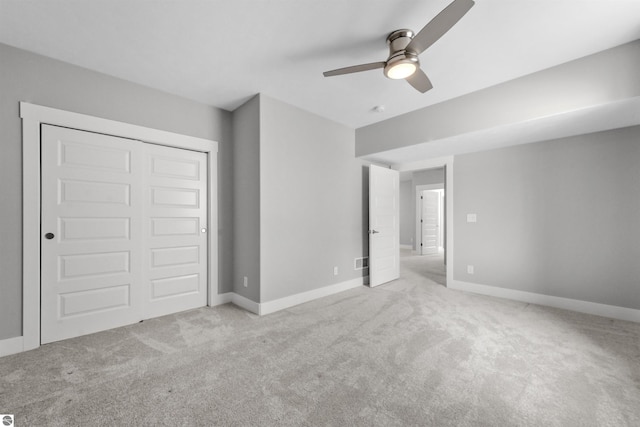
[419, 189]
[447, 163]
[33, 116]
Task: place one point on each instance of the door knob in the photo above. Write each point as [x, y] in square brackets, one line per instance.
[374, 231]
[49, 236]
[204, 230]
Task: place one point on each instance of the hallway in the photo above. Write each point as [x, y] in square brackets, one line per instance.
[428, 266]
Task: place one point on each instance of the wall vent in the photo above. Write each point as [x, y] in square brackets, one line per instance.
[361, 263]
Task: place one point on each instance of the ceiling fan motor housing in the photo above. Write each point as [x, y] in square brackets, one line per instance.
[398, 40]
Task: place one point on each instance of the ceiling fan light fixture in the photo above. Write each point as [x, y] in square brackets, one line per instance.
[400, 70]
[405, 46]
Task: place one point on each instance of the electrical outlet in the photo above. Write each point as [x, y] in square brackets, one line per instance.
[470, 269]
[472, 218]
[245, 281]
[335, 271]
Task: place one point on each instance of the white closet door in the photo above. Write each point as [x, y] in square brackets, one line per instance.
[91, 240]
[175, 241]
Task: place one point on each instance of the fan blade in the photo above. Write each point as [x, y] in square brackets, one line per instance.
[420, 81]
[355, 69]
[439, 25]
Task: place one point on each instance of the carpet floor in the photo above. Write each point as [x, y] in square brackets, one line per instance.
[408, 353]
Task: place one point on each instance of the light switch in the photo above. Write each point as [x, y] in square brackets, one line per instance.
[472, 218]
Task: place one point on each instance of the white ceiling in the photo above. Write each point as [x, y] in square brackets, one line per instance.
[223, 52]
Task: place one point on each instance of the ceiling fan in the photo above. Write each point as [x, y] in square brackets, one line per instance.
[405, 46]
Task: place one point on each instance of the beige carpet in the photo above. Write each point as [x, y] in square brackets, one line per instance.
[409, 353]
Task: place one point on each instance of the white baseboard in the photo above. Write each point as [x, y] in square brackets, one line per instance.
[245, 303]
[604, 310]
[237, 299]
[406, 246]
[11, 346]
[221, 299]
[290, 301]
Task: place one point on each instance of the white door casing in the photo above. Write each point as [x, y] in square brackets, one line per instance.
[430, 220]
[175, 244]
[384, 230]
[33, 118]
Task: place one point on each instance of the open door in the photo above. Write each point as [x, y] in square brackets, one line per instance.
[384, 229]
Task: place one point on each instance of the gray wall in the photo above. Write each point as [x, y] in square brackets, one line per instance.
[428, 177]
[407, 213]
[29, 77]
[559, 218]
[597, 79]
[246, 177]
[312, 201]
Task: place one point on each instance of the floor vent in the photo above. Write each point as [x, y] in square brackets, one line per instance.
[361, 263]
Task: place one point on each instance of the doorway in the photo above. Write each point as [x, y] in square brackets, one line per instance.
[423, 220]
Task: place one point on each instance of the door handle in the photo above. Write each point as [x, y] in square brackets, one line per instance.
[373, 231]
[49, 236]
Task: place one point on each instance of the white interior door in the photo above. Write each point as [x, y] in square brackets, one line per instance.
[91, 211]
[430, 222]
[175, 230]
[384, 230]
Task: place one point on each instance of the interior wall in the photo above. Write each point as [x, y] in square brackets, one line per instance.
[313, 214]
[428, 177]
[25, 76]
[559, 218]
[246, 177]
[407, 214]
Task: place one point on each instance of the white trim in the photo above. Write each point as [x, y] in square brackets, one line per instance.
[246, 303]
[30, 233]
[293, 300]
[54, 116]
[423, 164]
[212, 226]
[221, 299]
[611, 311]
[406, 247]
[436, 163]
[11, 346]
[32, 117]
